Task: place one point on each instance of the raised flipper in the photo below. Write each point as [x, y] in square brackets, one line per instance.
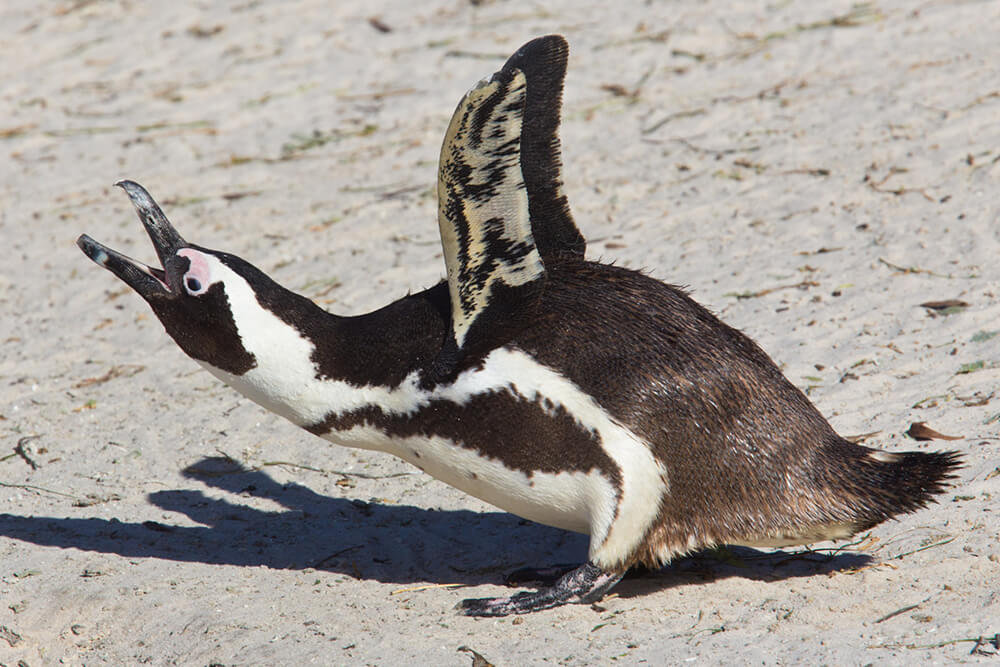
[543, 62]
[587, 583]
[501, 209]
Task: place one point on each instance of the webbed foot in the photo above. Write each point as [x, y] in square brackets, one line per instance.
[583, 585]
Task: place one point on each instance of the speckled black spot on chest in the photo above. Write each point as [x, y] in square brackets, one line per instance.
[528, 436]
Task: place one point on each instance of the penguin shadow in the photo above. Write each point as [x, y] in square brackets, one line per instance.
[246, 518]
[377, 540]
[705, 567]
[410, 544]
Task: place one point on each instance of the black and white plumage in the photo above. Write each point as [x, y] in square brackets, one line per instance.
[577, 394]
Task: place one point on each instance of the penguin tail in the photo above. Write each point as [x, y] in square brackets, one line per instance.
[888, 484]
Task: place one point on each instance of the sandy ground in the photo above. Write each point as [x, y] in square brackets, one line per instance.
[813, 171]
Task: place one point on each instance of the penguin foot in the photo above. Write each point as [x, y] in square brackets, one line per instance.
[583, 585]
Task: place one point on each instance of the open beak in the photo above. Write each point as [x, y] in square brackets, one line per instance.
[146, 280]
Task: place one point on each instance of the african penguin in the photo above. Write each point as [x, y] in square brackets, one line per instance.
[573, 393]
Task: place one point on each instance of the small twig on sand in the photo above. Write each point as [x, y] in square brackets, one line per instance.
[876, 186]
[38, 489]
[22, 452]
[923, 548]
[901, 610]
[10, 636]
[239, 468]
[122, 370]
[412, 589]
[345, 473]
[805, 284]
[979, 642]
[911, 269]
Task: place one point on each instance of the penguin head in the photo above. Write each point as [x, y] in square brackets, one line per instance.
[197, 294]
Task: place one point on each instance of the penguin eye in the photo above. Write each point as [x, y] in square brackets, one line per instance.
[194, 286]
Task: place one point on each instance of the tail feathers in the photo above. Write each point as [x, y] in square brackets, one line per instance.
[887, 484]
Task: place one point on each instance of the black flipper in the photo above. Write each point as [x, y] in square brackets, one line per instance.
[543, 62]
[587, 583]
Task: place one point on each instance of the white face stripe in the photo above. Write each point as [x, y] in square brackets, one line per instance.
[285, 381]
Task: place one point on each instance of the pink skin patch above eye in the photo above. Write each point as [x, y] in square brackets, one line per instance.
[198, 268]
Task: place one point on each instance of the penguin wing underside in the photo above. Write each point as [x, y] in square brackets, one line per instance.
[494, 267]
[501, 210]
